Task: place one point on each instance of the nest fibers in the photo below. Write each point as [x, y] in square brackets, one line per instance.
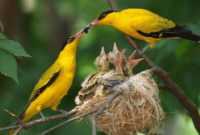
[137, 109]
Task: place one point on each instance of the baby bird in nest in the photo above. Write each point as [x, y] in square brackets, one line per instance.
[103, 81]
[91, 82]
[129, 63]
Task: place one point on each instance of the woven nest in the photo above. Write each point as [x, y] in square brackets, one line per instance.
[137, 109]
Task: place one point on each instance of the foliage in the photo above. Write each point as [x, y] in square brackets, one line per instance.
[48, 23]
[8, 64]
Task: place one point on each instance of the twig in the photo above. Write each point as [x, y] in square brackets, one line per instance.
[113, 4]
[101, 109]
[18, 130]
[2, 28]
[17, 118]
[170, 85]
[70, 120]
[163, 87]
[39, 121]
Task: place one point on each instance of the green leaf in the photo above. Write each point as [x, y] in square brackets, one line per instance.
[2, 36]
[182, 48]
[13, 47]
[8, 65]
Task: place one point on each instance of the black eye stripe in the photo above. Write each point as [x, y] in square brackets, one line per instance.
[69, 40]
[104, 14]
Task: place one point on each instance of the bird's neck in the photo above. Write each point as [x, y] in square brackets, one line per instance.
[68, 54]
[110, 19]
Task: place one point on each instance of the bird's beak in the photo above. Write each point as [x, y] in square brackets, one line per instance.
[102, 53]
[135, 62]
[79, 34]
[132, 57]
[94, 23]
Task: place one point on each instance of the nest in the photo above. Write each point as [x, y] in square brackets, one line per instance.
[137, 109]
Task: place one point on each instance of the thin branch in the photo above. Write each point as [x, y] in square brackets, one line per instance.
[113, 4]
[101, 109]
[163, 87]
[170, 85]
[17, 118]
[39, 121]
[18, 130]
[70, 120]
[2, 28]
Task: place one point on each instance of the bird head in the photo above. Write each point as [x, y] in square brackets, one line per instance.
[102, 62]
[104, 18]
[74, 39]
[134, 61]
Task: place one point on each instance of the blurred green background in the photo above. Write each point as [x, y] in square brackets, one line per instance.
[42, 27]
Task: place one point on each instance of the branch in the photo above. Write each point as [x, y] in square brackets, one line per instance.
[163, 87]
[70, 120]
[2, 28]
[170, 85]
[38, 121]
[101, 109]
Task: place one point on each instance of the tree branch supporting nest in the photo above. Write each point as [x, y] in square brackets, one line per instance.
[38, 121]
[170, 85]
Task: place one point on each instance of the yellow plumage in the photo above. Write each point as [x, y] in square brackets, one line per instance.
[143, 24]
[54, 83]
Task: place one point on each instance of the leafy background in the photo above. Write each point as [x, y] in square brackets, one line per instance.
[42, 26]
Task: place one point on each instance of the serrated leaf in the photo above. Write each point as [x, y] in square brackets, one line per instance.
[13, 47]
[2, 36]
[8, 65]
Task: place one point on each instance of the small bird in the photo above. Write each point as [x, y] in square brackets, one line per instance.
[116, 57]
[113, 77]
[54, 83]
[91, 82]
[129, 63]
[143, 24]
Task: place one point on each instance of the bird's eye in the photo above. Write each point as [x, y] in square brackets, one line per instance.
[70, 40]
[102, 16]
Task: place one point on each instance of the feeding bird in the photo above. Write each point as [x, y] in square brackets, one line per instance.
[145, 25]
[54, 83]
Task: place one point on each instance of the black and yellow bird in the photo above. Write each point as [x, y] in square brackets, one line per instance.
[91, 82]
[54, 83]
[145, 25]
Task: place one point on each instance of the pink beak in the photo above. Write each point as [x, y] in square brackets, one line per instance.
[94, 23]
[79, 34]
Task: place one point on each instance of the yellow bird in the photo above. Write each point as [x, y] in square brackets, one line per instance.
[54, 83]
[145, 25]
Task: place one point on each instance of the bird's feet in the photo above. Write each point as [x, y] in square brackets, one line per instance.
[66, 113]
[45, 119]
[143, 51]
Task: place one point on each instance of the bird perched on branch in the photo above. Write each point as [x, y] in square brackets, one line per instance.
[54, 83]
[91, 82]
[143, 24]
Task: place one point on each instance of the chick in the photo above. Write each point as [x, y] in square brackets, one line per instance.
[116, 57]
[91, 82]
[129, 63]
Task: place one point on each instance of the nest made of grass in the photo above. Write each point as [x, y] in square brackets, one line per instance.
[137, 109]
